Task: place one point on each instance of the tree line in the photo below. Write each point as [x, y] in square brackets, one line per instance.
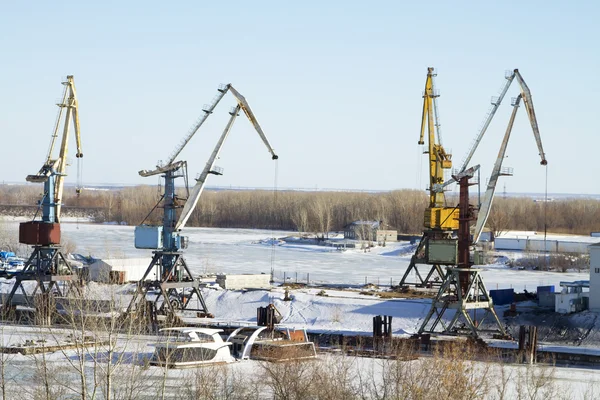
[316, 212]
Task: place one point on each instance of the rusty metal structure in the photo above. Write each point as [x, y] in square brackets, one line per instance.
[463, 291]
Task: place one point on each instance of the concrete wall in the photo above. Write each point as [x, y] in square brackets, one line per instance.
[595, 277]
[547, 299]
[134, 269]
[387, 235]
[244, 281]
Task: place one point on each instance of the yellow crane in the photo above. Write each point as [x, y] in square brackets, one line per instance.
[439, 220]
[437, 215]
[47, 266]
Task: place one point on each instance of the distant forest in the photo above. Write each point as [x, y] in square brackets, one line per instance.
[316, 212]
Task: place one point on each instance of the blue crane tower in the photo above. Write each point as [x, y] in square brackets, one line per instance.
[168, 285]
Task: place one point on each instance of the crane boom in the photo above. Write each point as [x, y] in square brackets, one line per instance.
[526, 95]
[531, 114]
[201, 181]
[248, 111]
[495, 104]
[438, 158]
[437, 215]
[196, 191]
[486, 205]
[208, 109]
[72, 111]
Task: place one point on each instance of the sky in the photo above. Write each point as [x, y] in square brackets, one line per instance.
[336, 85]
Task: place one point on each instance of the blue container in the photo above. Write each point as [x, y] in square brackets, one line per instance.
[502, 296]
[148, 237]
[541, 289]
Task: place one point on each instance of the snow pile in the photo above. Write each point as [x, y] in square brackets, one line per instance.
[338, 312]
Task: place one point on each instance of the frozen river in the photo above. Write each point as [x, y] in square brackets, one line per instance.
[214, 250]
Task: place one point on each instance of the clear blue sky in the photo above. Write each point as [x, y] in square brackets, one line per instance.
[336, 86]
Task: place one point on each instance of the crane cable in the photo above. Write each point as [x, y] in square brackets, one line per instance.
[545, 214]
[419, 164]
[78, 188]
[273, 220]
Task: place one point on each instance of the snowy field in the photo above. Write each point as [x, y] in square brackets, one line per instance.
[243, 251]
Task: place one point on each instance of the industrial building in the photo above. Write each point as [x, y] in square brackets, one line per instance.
[119, 270]
[369, 230]
[594, 277]
[535, 241]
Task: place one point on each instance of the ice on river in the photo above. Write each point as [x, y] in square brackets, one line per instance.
[213, 250]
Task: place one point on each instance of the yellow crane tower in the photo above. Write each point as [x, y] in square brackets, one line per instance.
[437, 215]
[439, 220]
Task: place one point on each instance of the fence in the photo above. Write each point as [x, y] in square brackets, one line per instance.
[345, 280]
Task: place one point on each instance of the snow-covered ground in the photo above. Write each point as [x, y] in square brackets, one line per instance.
[246, 251]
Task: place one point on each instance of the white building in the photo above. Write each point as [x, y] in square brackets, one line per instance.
[552, 243]
[244, 281]
[572, 298]
[595, 277]
[120, 270]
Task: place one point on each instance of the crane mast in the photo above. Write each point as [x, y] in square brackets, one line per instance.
[531, 114]
[196, 191]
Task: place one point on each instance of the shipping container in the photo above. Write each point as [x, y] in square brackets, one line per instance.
[541, 289]
[502, 296]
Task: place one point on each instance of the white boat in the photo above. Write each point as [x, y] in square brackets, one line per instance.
[191, 347]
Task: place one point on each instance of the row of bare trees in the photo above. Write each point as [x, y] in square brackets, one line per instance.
[116, 368]
[318, 212]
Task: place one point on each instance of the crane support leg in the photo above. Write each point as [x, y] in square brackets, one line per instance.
[435, 275]
[48, 268]
[462, 307]
[169, 286]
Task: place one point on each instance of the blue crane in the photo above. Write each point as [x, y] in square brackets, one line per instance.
[47, 265]
[168, 275]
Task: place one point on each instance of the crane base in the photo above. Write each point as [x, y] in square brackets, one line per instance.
[173, 290]
[461, 296]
